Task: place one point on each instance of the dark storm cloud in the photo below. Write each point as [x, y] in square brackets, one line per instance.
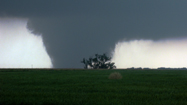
[73, 29]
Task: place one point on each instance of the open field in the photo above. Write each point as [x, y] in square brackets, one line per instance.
[92, 87]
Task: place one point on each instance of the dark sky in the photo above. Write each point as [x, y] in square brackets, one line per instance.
[73, 29]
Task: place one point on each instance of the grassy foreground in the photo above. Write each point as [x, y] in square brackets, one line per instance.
[92, 87]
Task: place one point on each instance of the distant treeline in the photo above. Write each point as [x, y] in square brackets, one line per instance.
[183, 68]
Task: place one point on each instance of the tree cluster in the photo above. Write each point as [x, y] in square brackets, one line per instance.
[98, 62]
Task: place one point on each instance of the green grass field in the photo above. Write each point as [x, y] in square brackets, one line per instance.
[92, 87]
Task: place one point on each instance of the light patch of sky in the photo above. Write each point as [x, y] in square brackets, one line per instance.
[152, 54]
[19, 47]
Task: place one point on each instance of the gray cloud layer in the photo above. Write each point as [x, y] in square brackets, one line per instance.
[75, 29]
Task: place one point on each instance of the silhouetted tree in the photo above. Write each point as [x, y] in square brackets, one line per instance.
[98, 62]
